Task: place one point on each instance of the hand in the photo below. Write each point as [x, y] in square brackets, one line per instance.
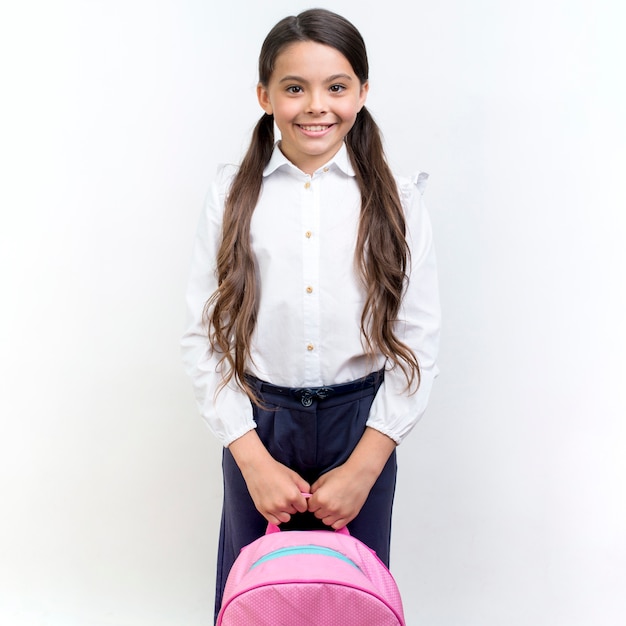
[275, 489]
[339, 495]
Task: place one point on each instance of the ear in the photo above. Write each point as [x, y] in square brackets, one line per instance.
[365, 87]
[264, 99]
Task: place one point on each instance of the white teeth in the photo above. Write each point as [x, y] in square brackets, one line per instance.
[314, 129]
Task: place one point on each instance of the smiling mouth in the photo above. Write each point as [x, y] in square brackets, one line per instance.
[315, 128]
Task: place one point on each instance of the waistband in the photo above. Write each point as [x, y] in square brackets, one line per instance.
[306, 395]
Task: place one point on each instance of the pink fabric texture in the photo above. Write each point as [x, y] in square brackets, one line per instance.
[310, 578]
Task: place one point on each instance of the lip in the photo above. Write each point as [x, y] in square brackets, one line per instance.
[315, 130]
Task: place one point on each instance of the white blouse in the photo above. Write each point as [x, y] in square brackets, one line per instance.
[303, 234]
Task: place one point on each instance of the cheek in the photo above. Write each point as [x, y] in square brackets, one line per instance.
[284, 111]
[349, 110]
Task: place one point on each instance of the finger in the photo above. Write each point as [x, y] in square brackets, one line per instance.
[281, 517]
[339, 524]
[284, 516]
[314, 506]
[302, 484]
[274, 519]
[317, 484]
[301, 505]
[322, 514]
[331, 520]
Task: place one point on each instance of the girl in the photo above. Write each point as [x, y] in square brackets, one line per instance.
[313, 301]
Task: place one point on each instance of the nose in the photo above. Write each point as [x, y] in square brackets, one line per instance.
[316, 103]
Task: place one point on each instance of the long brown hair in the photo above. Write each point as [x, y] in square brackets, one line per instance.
[382, 253]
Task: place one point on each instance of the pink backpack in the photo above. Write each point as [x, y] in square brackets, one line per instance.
[310, 578]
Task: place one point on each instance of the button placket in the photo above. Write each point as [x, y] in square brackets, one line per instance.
[310, 275]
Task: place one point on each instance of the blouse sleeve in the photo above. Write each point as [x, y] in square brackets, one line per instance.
[227, 411]
[396, 410]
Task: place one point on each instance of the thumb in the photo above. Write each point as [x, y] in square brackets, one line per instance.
[318, 483]
[302, 484]
[305, 488]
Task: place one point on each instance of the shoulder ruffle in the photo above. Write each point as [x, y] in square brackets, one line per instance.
[409, 186]
[419, 180]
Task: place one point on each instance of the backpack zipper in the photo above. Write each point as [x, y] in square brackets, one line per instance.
[296, 550]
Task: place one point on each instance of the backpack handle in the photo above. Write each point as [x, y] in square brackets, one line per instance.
[273, 528]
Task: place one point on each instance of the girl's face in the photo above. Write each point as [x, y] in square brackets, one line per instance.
[314, 96]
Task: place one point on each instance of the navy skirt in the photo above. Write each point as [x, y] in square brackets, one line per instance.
[310, 431]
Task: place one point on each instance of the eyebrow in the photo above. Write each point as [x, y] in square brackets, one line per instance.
[330, 79]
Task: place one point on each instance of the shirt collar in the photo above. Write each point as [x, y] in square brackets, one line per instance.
[278, 160]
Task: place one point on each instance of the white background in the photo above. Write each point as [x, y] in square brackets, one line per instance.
[511, 507]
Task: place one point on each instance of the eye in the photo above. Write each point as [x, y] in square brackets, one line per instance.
[337, 88]
[295, 89]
